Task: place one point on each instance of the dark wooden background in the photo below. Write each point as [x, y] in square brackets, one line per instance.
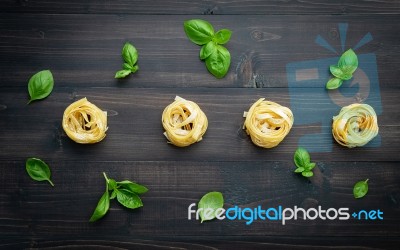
[80, 42]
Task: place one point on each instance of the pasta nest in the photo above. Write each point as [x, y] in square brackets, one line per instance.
[267, 123]
[84, 122]
[184, 122]
[355, 125]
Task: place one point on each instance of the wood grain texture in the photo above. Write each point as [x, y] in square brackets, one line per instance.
[84, 50]
[207, 7]
[80, 42]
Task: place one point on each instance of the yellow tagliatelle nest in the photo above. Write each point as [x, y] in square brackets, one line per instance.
[355, 125]
[267, 123]
[84, 122]
[184, 122]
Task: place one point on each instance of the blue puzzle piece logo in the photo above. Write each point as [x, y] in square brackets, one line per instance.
[313, 106]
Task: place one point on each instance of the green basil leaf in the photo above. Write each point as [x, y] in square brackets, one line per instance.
[102, 207]
[339, 73]
[310, 166]
[38, 170]
[213, 201]
[134, 69]
[301, 157]
[122, 73]
[198, 31]
[334, 83]
[112, 184]
[299, 170]
[207, 50]
[40, 85]
[133, 187]
[127, 66]
[222, 36]
[130, 54]
[113, 194]
[307, 173]
[128, 199]
[348, 62]
[218, 62]
[360, 189]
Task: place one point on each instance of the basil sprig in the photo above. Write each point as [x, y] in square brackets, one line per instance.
[130, 56]
[347, 64]
[303, 162]
[210, 201]
[360, 189]
[216, 56]
[126, 192]
[40, 85]
[38, 170]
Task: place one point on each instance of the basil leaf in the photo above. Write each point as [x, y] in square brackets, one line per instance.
[40, 85]
[213, 201]
[128, 199]
[218, 62]
[223, 36]
[334, 83]
[38, 170]
[112, 184]
[130, 54]
[133, 187]
[127, 66]
[198, 31]
[113, 194]
[307, 173]
[348, 62]
[360, 189]
[310, 166]
[339, 73]
[301, 157]
[207, 50]
[122, 73]
[299, 170]
[102, 207]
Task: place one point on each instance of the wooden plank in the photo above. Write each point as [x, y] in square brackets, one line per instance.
[31, 208]
[135, 130]
[215, 7]
[261, 47]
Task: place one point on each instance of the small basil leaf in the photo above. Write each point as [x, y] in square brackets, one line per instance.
[128, 199]
[213, 201]
[310, 166]
[134, 69]
[133, 187]
[299, 170]
[222, 36]
[348, 62]
[339, 73]
[127, 66]
[130, 54]
[301, 158]
[360, 189]
[113, 194]
[40, 85]
[307, 173]
[112, 184]
[102, 207]
[334, 83]
[207, 50]
[38, 170]
[198, 31]
[218, 62]
[122, 73]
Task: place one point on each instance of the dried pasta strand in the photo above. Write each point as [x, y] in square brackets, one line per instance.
[84, 122]
[267, 123]
[355, 125]
[184, 122]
